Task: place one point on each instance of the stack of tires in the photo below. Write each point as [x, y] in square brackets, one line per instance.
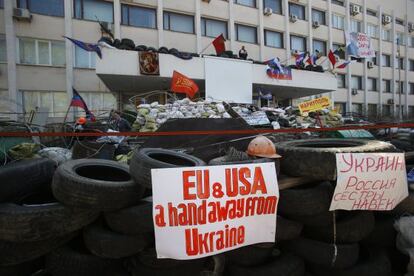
[338, 242]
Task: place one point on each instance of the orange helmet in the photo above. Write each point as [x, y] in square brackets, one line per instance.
[81, 121]
[261, 146]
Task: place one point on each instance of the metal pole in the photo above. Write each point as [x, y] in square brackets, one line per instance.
[399, 80]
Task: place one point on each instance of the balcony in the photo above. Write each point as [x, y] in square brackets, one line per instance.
[119, 70]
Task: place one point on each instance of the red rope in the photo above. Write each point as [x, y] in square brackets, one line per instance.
[202, 132]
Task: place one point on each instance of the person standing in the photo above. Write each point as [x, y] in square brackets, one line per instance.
[243, 53]
[118, 123]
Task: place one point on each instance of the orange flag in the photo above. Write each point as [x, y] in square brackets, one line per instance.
[182, 84]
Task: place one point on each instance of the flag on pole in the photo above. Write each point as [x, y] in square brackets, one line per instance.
[312, 59]
[90, 47]
[344, 64]
[219, 45]
[299, 58]
[183, 84]
[332, 58]
[78, 101]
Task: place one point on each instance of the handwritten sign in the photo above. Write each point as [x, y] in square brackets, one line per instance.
[204, 211]
[314, 105]
[359, 45]
[369, 181]
[255, 118]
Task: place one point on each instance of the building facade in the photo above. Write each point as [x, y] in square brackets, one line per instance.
[38, 68]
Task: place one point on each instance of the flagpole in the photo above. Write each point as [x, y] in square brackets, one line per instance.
[202, 51]
[66, 115]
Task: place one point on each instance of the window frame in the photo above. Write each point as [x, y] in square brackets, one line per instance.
[241, 4]
[27, 6]
[323, 13]
[281, 39]
[3, 37]
[334, 15]
[237, 33]
[324, 46]
[411, 65]
[226, 24]
[338, 2]
[358, 24]
[138, 7]
[303, 9]
[90, 54]
[343, 80]
[168, 13]
[360, 85]
[374, 86]
[280, 6]
[372, 13]
[411, 88]
[83, 13]
[386, 86]
[369, 25]
[36, 54]
[387, 61]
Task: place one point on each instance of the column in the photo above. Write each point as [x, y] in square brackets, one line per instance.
[198, 25]
[365, 61]
[11, 58]
[69, 53]
[117, 19]
[232, 28]
[287, 29]
[393, 56]
[160, 24]
[349, 71]
[310, 27]
[379, 62]
[261, 30]
[330, 42]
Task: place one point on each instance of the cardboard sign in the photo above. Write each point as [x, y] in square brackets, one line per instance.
[204, 211]
[255, 118]
[359, 45]
[314, 105]
[369, 181]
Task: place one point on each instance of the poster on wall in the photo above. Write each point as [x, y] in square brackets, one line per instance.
[149, 63]
[359, 45]
[204, 211]
[369, 181]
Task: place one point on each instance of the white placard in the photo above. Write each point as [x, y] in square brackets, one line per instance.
[204, 211]
[229, 80]
[369, 181]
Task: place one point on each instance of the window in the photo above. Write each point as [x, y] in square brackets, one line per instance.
[338, 22]
[178, 22]
[411, 88]
[386, 35]
[275, 5]
[56, 102]
[400, 87]
[84, 59]
[297, 10]
[386, 60]
[318, 16]
[138, 17]
[213, 28]
[338, 2]
[246, 33]
[399, 21]
[371, 12]
[373, 59]
[94, 10]
[356, 82]
[372, 31]
[4, 104]
[411, 64]
[297, 43]
[319, 46]
[99, 101]
[355, 26]
[273, 39]
[341, 81]
[410, 41]
[357, 108]
[249, 3]
[1, 4]
[3, 49]
[372, 110]
[399, 64]
[41, 52]
[372, 84]
[386, 110]
[400, 39]
[386, 86]
[340, 107]
[411, 111]
[45, 7]
[341, 52]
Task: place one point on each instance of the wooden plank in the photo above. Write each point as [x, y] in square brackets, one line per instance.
[286, 182]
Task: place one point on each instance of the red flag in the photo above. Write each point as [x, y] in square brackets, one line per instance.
[182, 84]
[219, 45]
[332, 58]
